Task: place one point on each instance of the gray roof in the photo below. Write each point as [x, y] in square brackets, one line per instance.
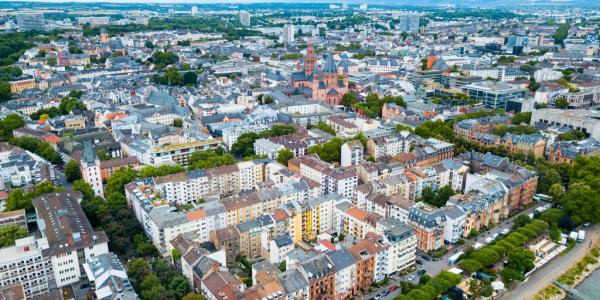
[341, 259]
[292, 281]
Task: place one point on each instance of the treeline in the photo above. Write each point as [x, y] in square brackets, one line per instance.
[209, 24]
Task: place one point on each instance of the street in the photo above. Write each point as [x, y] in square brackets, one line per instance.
[553, 269]
[435, 267]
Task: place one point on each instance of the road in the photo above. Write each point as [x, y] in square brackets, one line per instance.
[552, 270]
[435, 267]
[395, 280]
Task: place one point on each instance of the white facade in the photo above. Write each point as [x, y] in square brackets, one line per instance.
[547, 74]
[245, 18]
[288, 34]
[24, 263]
[351, 154]
[90, 172]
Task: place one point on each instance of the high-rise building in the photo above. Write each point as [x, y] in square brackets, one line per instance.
[245, 18]
[408, 23]
[363, 6]
[90, 169]
[288, 34]
[32, 21]
[194, 10]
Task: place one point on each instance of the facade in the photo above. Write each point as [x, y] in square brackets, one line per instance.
[90, 169]
[587, 121]
[428, 223]
[494, 94]
[351, 153]
[245, 18]
[24, 263]
[320, 272]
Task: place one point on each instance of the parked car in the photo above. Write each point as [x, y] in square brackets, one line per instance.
[421, 272]
[392, 288]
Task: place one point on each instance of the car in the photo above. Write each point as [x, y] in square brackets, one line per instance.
[421, 272]
[411, 277]
[419, 262]
[495, 235]
[392, 288]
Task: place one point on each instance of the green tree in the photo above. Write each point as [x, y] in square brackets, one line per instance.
[473, 232]
[556, 191]
[10, 233]
[193, 296]
[521, 260]
[509, 275]
[51, 61]
[5, 93]
[8, 124]
[190, 78]
[521, 220]
[148, 44]
[349, 99]
[284, 155]
[180, 286]
[470, 265]
[561, 103]
[554, 232]
[72, 171]
[582, 203]
[178, 123]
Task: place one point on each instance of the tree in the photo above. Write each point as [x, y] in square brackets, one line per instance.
[556, 191]
[521, 220]
[10, 233]
[72, 171]
[561, 103]
[244, 146]
[582, 203]
[190, 78]
[148, 44]
[8, 124]
[163, 59]
[284, 155]
[282, 266]
[178, 123]
[192, 296]
[349, 99]
[5, 93]
[51, 61]
[470, 265]
[473, 233]
[521, 260]
[561, 33]
[554, 232]
[509, 275]
[180, 286]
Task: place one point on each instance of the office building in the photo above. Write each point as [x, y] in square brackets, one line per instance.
[408, 23]
[494, 94]
[245, 18]
[24, 263]
[31, 21]
[288, 34]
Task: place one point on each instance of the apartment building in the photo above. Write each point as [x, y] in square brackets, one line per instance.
[227, 239]
[333, 180]
[355, 222]
[428, 223]
[351, 153]
[108, 277]
[163, 223]
[344, 265]
[567, 151]
[320, 272]
[402, 244]
[389, 145]
[90, 169]
[71, 240]
[24, 264]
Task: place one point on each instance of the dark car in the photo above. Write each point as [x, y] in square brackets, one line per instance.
[421, 272]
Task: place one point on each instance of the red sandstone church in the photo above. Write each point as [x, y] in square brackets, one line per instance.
[326, 85]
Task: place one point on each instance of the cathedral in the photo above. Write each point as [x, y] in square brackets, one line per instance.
[328, 84]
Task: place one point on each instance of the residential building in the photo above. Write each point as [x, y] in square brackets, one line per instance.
[109, 278]
[90, 169]
[24, 263]
[245, 18]
[345, 273]
[428, 223]
[69, 238]
[351, 153]
[320, 272]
